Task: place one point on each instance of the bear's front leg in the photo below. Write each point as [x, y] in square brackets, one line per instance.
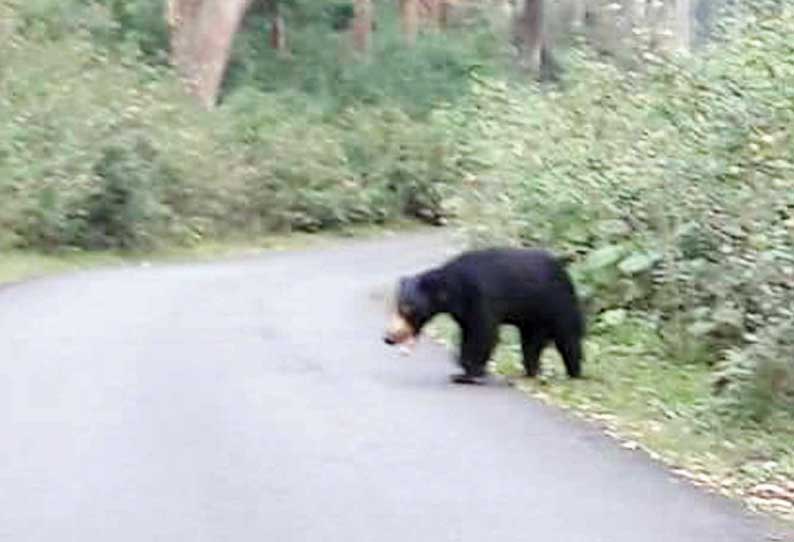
[477, 344]
[533, 341]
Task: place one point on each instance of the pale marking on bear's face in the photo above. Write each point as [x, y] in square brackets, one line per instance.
[401, 332]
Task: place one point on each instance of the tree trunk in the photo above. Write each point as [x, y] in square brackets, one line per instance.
[181, 17]
[445, 8]
[683, 25]
[202, 33]
[362, 25]
[431, 13]
[278, 29]
[530, 34]
[409, 19]
[579, 11]
[278, 34]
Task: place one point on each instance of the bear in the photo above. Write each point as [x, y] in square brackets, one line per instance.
[481, 290]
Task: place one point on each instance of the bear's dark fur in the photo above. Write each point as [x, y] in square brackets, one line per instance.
[483, 289]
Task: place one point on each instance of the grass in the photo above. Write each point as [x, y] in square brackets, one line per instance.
[647, 401]
[20, 265]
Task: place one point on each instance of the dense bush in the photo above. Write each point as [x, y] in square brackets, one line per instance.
[673, 189]
[101, 150]
[318, 69]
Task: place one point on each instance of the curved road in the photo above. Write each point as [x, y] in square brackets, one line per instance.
[253, 400]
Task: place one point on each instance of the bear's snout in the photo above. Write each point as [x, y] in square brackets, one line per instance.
[399, 331]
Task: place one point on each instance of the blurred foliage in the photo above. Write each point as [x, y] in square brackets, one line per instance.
[100, 147]
[317, 67]
[672, 187]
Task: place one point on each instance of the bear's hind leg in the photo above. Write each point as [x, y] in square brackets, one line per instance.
[570, 348]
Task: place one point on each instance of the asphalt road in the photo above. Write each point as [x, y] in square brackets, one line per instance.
[253, 400]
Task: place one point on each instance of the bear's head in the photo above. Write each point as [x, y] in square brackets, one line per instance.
[419, 299]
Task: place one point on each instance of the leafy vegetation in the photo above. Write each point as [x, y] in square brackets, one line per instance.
[102, 149]
[671, 190]
[670, 185]
[414, 79]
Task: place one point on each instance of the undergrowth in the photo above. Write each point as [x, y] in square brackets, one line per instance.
[101, 149]
[414, 79]
[670, 189]
[671, 186]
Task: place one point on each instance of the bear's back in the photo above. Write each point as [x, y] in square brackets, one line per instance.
[509, 266]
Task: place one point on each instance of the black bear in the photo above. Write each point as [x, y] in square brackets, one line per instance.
[482, 289]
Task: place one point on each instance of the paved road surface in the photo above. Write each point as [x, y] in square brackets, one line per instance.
[253, 400]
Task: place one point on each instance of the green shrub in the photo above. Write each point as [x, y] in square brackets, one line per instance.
[751, 381]
[73, 110]
[673, 189]
[365, 166]
[55, 19]
[139, 23]
[321, 67]
[127, 209]
[101, 150]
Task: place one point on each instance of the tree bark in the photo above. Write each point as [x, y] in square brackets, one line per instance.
[278, 34]
[409, 19]
[278, 29]
[683, 25]
[362, 25]
[431, 15]
[181, 17]
[579, 13]
[530, 33]
[444, 10]
[202, 32]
